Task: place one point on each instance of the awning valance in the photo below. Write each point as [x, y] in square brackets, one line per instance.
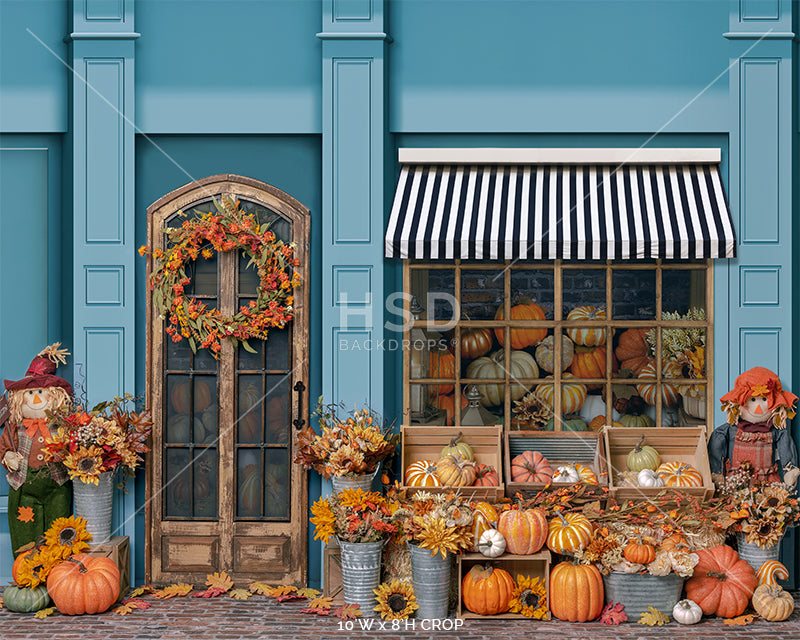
[560, 211]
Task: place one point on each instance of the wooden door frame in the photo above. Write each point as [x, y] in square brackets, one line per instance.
[282, 203]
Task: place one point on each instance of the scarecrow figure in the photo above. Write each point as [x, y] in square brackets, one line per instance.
[39, 491]
[755, 434]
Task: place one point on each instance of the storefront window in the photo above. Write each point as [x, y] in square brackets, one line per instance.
[503, 326]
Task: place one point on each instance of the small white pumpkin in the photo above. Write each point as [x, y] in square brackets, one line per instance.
[567, 473]
[649, 478]
[687, 612]
[492, 543]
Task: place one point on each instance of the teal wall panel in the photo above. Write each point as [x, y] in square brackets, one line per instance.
[33, 81]
[290, 163]
[548, 65]
[30, 264]
[250, 67]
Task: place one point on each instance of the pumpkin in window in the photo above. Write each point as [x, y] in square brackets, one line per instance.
[442, 365]
[589, 336]
[179, 396]
[523, 366]
[573, 394]
[632, 350]
[633, 412]
[475, 342]
[545, 353]
[521, 337]
[669, 392]
[448, 404]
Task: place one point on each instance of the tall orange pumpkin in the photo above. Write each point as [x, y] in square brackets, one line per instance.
[448, 403]
[521, 338]
[576, 592]
[525, 530]
[442, 365]
[487, 590]
[84, 584]
[589, 362]
[723, 583]
[633, 351]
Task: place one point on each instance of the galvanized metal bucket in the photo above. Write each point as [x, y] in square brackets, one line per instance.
[755, 555]
[638, 592]
[340, 483]
[94, 502]
[361, 573]
[430, 577]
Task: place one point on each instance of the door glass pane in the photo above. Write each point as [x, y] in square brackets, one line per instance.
[178, 483]
[205, 483]
[278, 350]
[252, 361]
[276, 405]
[179, 354]
[276, 497]
[250, 483]
[205, 409]
[251, 403]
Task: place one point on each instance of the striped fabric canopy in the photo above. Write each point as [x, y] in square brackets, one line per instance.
[560, 211]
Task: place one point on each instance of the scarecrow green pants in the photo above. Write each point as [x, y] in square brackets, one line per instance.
[45, 497]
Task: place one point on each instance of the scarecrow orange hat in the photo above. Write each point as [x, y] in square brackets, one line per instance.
[41, 372]
[759, 381]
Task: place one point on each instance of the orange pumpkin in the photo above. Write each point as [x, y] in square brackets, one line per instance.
[598, 422]
[179, 396]
[722, 584]
[589, 362]
[422, 474]
[484, 517]
[679, 474]
[674, 542]
[576, 592]
[486, 476]
[669, 392]
[521, 338]
[569, 533]
[639, 552]
[475, 342]
[573, 394]
[454, 470]
[525, 530]
[590, 336]
[442, 365]
[531, 466]
[487, 590]
[84, 584]
[18, 564]
[448, 403]
[633, 351]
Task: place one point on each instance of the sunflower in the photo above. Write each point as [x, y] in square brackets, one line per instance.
[34, 568]
[764, 533]
[346, 459]
[774, 497]
[324, 519]
[529, 598]
[67, 536]
[396, 600]
[85, 464]
[434, 534]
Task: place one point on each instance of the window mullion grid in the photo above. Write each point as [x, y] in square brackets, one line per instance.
[558, 305]
[457, 368]
[609, 417]
[507, 350]
[658, 363]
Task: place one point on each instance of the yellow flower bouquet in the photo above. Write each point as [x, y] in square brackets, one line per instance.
[439, 522]
[353, 515]
[103, 439]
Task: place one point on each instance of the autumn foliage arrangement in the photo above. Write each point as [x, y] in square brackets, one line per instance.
[348, 447]
[108, 437]
[439, 522]
[353, 515]
[229, 228]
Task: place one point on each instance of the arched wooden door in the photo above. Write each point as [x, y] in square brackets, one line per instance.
[223, 493]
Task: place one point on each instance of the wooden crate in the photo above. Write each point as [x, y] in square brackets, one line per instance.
[534, 565]
[678, 444]
[426, 443]
[560, 448]
[119, 550]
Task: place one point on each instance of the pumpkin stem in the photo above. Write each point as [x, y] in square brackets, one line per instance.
[639, 444]
[564, 522]
[454, 441]
[81, 566]
[718, 575]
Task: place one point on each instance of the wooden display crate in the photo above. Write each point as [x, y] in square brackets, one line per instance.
[119, 550]
[426, 443]
[332, 579]
[678, 444]
[560, 448]
[534, 565]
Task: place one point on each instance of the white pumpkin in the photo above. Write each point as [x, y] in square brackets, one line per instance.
[492, 543]
[566, 474]
[649, 478]
[687, 612]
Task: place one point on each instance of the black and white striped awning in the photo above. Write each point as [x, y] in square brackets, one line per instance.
[571, 211]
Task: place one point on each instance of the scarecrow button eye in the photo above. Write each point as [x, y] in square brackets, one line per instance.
[41, 439]
[40, 457]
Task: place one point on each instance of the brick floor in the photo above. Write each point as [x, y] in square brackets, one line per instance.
[261, 618]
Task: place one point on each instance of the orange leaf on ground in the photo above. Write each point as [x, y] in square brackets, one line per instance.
[240, 594]
[321, 603]
[220, 580]
[260, 588]
[131, 604]
[25, 514]
[309, 593]
[347, 612]
[213, 592]
[282, 590]
[140, 591]
[742, 620]
[180, 589]
[41, 614]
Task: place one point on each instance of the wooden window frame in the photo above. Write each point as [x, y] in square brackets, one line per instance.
[558, 323]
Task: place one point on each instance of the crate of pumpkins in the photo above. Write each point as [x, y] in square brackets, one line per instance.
[466, 459]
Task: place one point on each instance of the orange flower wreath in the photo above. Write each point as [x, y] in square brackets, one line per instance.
[229, 229]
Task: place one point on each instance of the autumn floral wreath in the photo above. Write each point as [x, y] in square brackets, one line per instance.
[227, 229]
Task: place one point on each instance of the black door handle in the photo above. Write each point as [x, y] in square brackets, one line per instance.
[299, 422]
